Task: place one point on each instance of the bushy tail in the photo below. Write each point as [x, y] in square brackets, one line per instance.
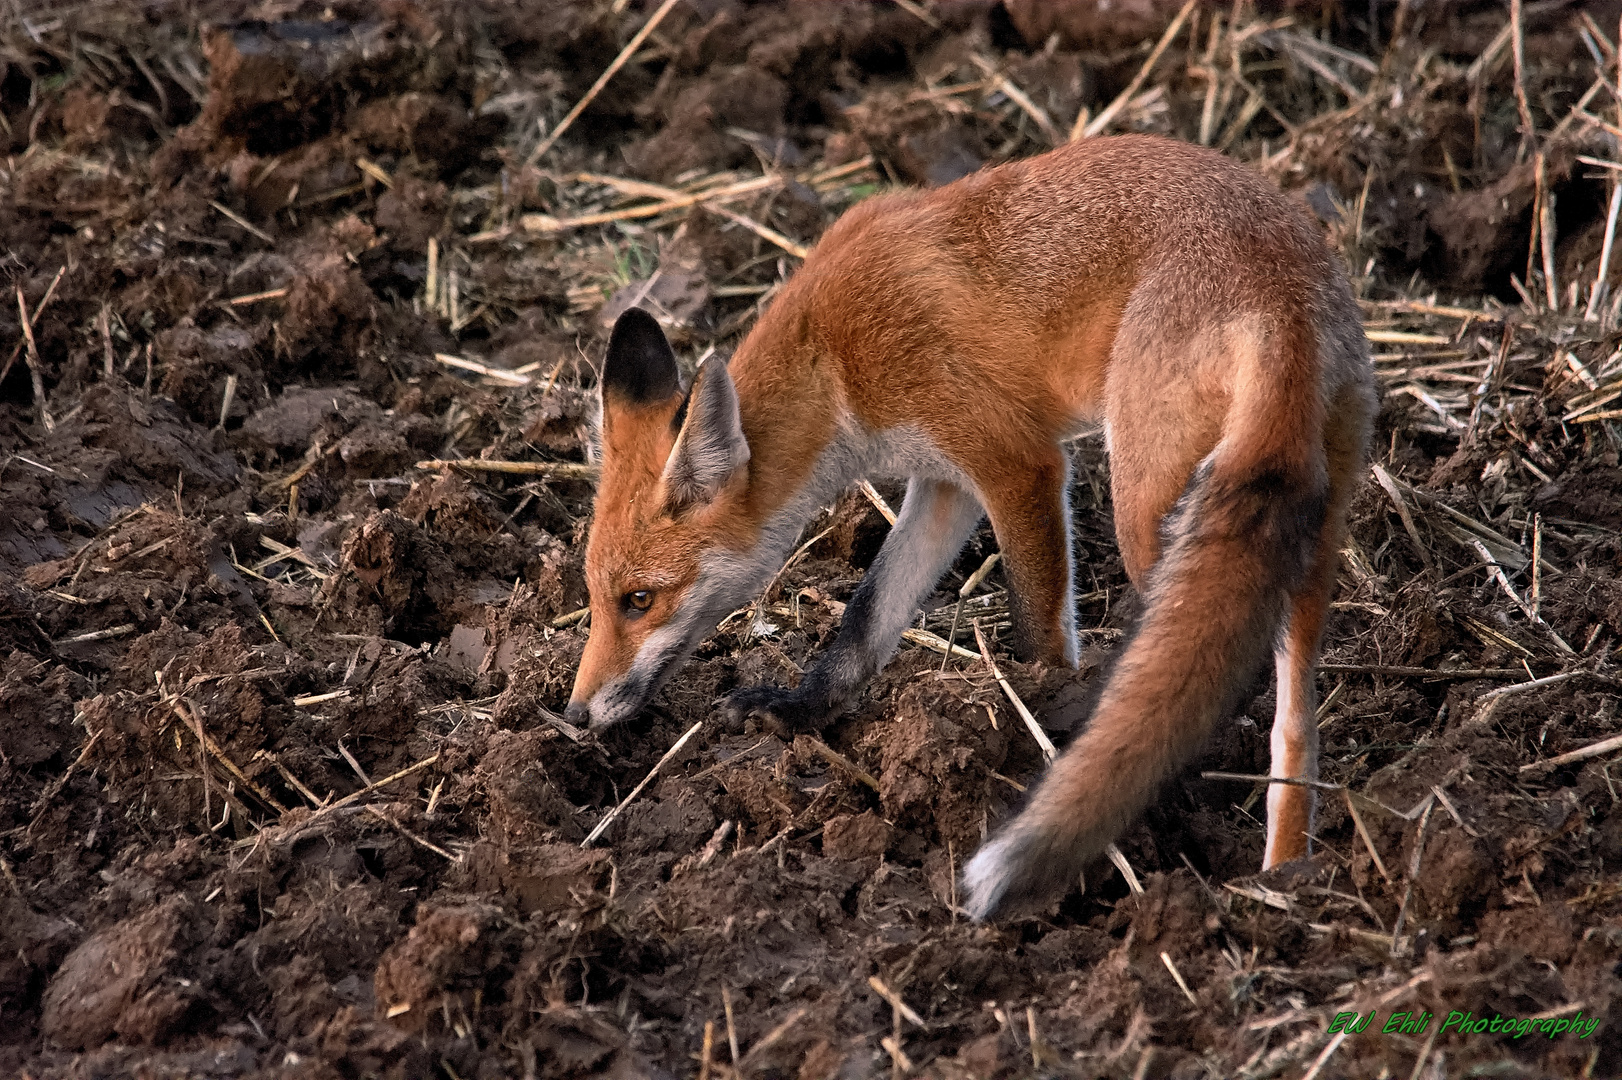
[1238, 540]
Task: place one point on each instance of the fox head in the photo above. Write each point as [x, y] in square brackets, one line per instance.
[668, 511]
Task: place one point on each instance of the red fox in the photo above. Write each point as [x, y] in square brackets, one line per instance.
[958, 337]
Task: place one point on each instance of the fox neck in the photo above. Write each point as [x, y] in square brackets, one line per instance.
[809, 439]
[797, 426]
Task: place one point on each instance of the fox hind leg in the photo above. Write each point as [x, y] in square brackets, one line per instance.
[936, 519]
[1294, 743]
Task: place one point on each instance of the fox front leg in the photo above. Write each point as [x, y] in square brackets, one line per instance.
[936, 519]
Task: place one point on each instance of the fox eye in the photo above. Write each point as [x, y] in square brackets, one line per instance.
[638, 601]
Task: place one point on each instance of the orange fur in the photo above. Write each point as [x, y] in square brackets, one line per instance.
[958, 337]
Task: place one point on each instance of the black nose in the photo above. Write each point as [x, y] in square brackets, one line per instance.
[578, 713]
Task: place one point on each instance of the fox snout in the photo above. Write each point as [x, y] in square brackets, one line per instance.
[607, 688]
[621, 699]
[616, 678]
[598, 714]
[625, 662]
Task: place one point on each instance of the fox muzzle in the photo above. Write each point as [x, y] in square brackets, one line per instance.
[616, 701]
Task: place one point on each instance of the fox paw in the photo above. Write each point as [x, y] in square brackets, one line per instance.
[778, 710]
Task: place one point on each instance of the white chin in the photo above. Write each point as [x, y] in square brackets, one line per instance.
[606, 711]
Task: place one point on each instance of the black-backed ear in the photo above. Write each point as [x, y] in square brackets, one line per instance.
[711, 447]
[640, 368]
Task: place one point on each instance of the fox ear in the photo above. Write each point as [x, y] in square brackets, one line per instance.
[640, 368]
[711, 447]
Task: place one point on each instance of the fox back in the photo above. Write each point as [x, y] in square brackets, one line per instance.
[957, 338]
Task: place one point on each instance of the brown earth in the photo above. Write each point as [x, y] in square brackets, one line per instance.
[281, 793]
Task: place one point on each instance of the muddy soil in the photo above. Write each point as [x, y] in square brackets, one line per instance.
[282, 787]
